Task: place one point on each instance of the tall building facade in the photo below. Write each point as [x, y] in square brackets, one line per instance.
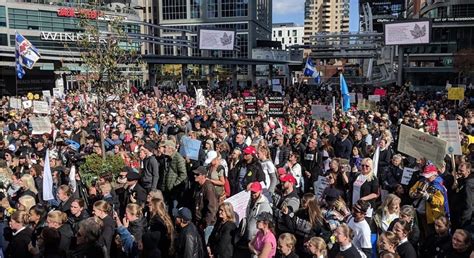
[325, 16]
[289, 34]
[252, 21]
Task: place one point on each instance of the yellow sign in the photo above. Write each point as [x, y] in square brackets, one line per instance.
[456, 93]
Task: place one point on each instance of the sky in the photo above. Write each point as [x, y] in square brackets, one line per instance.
[293, 11]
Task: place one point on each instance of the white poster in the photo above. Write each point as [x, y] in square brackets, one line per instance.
[216, 39]
[407, 33]
[374, 98]
[321, 184]
[421, 145]
[112, 98]
[324, 112]
[15, 103]
[40, 125]
[353, 97]
[40, 107]
[239, 202]
[407, 175]
[449, 131]
[46, 93]
[276, 88]
[27, 104]
[58, 92]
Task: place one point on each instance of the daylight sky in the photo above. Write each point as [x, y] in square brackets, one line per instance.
[293, 11]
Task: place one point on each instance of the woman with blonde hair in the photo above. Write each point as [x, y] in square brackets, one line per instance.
[363, 185]
[387, 212]
[27, 187]
[134, 220]
[57, 220]
[26, 202]
[387, 243]
[317, 247]
[18, 246]
[161, 222]
[344, 247]
[286, 246]
[101, 210]
[221, 242]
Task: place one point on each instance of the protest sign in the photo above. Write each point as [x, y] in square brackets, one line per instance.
[380, 92]
[46, 94]
[353, 97]
[324, 112]
[40, 125]
[321, 184]
[407, 175]
[58, 92]
[27, 104]
[421, 145]
[277, 88]
[15, 103]
[112, 98]
[157, 92]
[239, 202]
[40, 107]
[275, 106]
[456, 93]
[190, 148]
[250, 105]
[366, 105]
[374, 98]
[449, 131]
[182, 88]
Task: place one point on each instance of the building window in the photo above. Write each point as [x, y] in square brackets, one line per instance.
[3, 17]
[242, 42]
[174, 9]
[212, 9]
[234, 8]
[195, 8]
[280, 33]
[168, 49]
[295, 33]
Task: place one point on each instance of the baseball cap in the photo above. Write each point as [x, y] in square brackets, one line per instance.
[211, 155]
[250, 150]
[430, 171]
[132, 176]
[331, 195]
[288, 178]
[256, 187]
[150, 146]
[200, 171]
[184, 213]
[265, 216]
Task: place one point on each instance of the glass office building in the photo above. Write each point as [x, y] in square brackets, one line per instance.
[52, 27]
[452, 30]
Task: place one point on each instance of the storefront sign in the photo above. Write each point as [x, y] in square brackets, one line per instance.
[67, 37]
[76, 12]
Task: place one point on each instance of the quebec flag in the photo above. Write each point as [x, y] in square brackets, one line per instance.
[310, 71]
[26, 55]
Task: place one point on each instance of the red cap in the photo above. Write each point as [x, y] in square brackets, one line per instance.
[250, 150]
[430, 171]
[255, 187]
[288, 178]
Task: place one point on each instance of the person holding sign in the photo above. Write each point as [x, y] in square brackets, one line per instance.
[431, 200]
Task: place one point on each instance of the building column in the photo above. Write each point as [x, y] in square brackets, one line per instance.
[252, 74]
[234, 82]
[211, 75]
[400, 66]
[184, 74]
[270, 72]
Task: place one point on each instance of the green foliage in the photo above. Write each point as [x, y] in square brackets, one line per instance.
[94, 166]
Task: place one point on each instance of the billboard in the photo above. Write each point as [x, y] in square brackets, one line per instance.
[407, 33]
[211, 39]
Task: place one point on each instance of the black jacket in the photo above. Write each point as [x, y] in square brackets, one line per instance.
[254, 173]
[108, 230]
[406, 250]
[150, 173]
[137, 228]
[18, 246]
[463, 203]
[138, 193]
[66, 206]
[343, 148]
[352, 252]
[189, 243]
[66, 234]
[221, 240]
[92, 250]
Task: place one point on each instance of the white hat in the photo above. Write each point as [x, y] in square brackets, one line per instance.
[211, 155]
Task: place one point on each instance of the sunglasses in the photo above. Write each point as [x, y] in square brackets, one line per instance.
[365, 166]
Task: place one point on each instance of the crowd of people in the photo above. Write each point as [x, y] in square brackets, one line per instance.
[314, 187]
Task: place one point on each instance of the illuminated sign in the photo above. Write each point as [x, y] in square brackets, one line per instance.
[67, 37]
[73, 12]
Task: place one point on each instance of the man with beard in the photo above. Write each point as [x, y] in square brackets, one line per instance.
[248, 170]
[78, 135]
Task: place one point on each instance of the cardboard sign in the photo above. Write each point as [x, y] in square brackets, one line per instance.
[190, 148]
[239, 202]
[275, 106]
[46, 93]
[407, 175]
[40, 107]
[421, 145]
[250, 105]
[456, 93]
[40, 125]
[374, 98]
[15, 103]
[366, 105]
[449, 131]
[323, 112]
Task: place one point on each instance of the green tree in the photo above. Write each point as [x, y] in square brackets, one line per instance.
[106, 51]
